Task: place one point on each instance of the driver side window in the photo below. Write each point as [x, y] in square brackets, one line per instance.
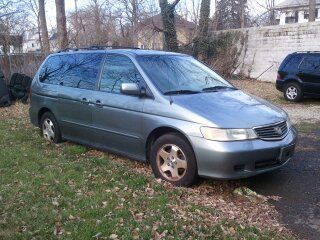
[118, 69]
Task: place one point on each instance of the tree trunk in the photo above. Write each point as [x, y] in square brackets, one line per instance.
[201, 41]
[61, 24]
[97, 22]
[134, 23]
[312, 10]
[169, 28]
[43, 27]
[76, 27]
[242, 13]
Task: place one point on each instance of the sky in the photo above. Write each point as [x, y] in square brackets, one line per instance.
[255, 8]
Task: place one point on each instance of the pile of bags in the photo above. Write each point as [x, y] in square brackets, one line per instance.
[18, 89]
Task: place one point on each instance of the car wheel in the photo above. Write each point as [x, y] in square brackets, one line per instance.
[173, 160]
[49, 128]
[293, 92]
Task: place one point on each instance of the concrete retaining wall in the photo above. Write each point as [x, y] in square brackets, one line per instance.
[266, 47]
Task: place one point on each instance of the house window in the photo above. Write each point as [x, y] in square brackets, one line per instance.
[290, 20]
[32, 44]
[292, 17]
[306, 14]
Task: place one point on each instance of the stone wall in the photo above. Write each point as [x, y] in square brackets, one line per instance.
[265, 48]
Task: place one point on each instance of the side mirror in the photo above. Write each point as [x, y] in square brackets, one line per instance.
[131, 89]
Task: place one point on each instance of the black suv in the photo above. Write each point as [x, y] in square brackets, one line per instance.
[299, 76]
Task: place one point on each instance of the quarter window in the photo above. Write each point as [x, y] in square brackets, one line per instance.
[118, 69]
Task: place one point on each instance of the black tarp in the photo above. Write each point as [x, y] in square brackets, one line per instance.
[19, 87]
[4, 93]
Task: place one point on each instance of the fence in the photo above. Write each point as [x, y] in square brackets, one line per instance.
[26, 63]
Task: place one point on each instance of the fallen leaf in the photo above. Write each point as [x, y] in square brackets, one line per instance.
[99, 234]
[113, 236]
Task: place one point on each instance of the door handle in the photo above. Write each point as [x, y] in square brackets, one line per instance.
[98, 103]
[85, 101]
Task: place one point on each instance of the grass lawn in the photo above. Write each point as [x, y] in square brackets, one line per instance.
[72, 192]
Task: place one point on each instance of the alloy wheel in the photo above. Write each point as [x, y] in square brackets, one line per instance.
[171, 162]
[292, 92]
[48, 130]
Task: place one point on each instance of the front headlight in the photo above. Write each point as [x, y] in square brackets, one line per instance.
[225, 135]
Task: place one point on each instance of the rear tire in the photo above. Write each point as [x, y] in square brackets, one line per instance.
[293, 92]
[172, 159]
[49, 128]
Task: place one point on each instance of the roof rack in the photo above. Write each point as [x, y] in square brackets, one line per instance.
[307, 52]
[97, 47]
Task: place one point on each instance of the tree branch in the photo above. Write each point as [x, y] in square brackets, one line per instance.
[174, 4]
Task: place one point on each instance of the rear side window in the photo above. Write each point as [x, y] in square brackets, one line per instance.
[118, 69]
[311, 63]
[72, 70]
[292, 63]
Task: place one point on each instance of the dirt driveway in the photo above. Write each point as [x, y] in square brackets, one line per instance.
[306, 111]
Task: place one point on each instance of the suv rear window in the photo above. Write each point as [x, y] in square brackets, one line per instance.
[311, 63]
[72, 70]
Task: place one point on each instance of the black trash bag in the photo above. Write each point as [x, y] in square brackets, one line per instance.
[4, 93]
[19, 87]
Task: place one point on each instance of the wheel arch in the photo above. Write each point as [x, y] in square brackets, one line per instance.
[42, 111]
[160, 131]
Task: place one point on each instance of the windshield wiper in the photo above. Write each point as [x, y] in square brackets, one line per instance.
[181, 92]
[217, 88]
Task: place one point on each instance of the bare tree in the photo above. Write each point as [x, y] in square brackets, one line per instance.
[43, 27]
[13, 23]
[229, 14]
[131, 8]
[61, 24]
[201, 40]
[169, 28]
[312, 10]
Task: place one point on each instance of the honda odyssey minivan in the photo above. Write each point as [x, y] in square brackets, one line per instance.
[163, 108]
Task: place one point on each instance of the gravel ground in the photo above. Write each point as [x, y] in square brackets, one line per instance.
[306, 111]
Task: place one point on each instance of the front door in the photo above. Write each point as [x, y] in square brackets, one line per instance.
[309, 72]
[117, 118]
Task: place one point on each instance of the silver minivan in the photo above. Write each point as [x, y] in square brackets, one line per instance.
[167, 109]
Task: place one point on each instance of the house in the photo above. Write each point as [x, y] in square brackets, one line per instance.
[295, 11]
[151, 36]
[31, 42]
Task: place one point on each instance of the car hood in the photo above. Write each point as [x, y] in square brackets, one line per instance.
[230, 109]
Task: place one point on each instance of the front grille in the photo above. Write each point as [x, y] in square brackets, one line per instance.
[272, 132]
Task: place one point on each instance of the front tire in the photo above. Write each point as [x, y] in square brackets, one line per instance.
[293, 92]
[50, 129]
[173, 160]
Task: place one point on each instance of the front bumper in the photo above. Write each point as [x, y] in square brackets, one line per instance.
[240, 159]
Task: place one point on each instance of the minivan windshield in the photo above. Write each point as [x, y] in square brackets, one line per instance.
[176, 74]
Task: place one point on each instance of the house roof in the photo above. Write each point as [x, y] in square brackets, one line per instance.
[294, 4]
[156, 22]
